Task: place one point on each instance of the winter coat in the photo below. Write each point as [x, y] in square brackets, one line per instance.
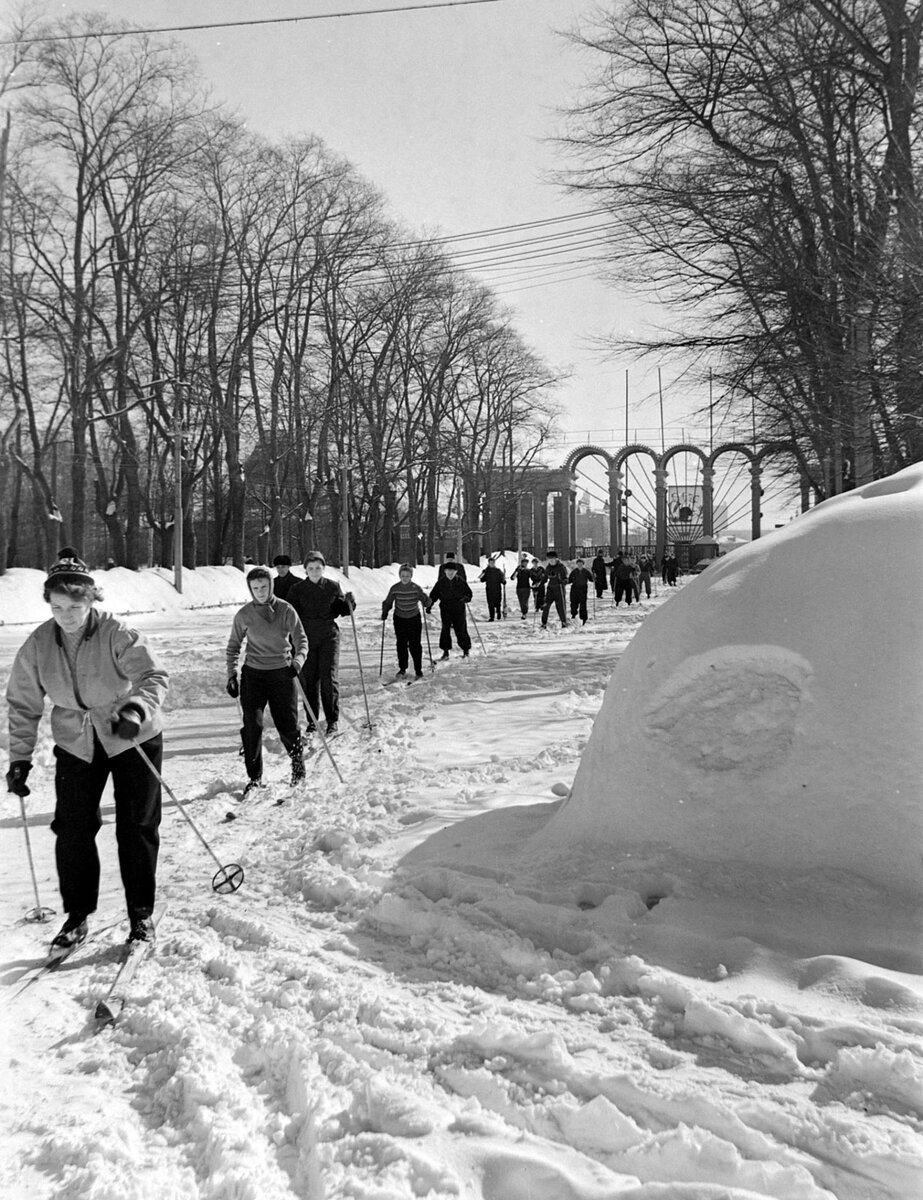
[318, 605]
[579, 579]
[275, 636]
[599, 570]
[113, 665]
[522, 577]
[451, 593]
[556, 577]
[283, 584]
[493, 578]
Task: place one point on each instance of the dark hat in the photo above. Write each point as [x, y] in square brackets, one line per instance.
[316, 556]
[69, 568]
[282, 560]
[450, 566]
[552, 554]
[450, 553]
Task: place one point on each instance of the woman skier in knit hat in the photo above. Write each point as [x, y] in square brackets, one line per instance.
[106, 688]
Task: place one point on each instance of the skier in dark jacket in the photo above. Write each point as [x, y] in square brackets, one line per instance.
[579, 579]
[276, 651]
[670, 568]
[285, 579]
[318, 602]
[453, 595]
[538, 575]
[450, 561]
[522, 578]
[106, 688]
[494, 579]
[405, 598]
[645, 568]
[623, 581]
[555, 583]
[599, 574]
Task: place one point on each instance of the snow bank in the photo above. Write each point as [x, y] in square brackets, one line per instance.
[770, 716]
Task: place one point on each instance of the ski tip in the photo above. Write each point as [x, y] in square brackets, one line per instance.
[104, 1014]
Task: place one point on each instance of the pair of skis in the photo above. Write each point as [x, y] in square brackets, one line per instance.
[109, 1007]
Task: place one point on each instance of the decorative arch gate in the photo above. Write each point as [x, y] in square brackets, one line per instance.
[559, 485]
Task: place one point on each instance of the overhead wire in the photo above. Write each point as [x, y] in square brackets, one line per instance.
[326, 16]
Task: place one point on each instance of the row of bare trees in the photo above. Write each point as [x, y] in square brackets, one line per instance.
[762, 162]
[170, 280]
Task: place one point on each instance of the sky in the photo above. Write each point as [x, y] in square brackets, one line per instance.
[452, 113]
[623, 911]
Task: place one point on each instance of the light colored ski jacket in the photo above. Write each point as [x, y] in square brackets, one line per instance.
[113, 665]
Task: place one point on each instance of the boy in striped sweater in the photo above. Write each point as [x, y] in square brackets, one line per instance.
[405, 598]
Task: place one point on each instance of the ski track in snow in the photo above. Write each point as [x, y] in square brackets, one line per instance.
[347, 1027]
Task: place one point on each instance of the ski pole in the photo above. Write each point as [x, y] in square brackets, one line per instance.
[316, 723]
[365, 695]
[226, 878]
[381, 657]
[429, 648]
[476, 627]
[39, 913]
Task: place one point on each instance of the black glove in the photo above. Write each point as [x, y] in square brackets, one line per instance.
[292, 670]
[16, 777]
[233, 687]
[128, 721]
[384, 616]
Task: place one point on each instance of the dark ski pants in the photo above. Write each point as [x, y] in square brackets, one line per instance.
[454, 621]
[557, 599]
[522, 595]
[495, 605]
[320, 674]
[646, 584]
[277, 689]
[578, 604]
[77, 820]
[626, 588]
[408, 632]
[600, 587]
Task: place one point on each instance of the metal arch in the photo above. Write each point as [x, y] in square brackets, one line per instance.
[682, 448]
[582, 452]
[777, 448]
[731, 448]
[628, 451]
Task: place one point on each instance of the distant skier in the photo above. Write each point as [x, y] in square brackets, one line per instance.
[494, 580]
[285, 578]
[598, 568]
[106, 688]
[276, 648]
[450, 561]
[453, 595]
[521, 577]
[645, 570]
[623, 584]
[318, 602]
[405, 598]
[555, 583]
[670, 569]
[579, 579]
[538, 575]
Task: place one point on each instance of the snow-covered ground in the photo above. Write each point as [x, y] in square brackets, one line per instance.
[395, 1005]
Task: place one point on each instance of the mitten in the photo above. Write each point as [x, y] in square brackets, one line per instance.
[16, 777]
[233, 687]
[127, 722]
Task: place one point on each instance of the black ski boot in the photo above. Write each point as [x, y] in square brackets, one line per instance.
[141, 930]
[72, 932]
[297, 756]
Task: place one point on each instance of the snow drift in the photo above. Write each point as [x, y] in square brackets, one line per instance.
[770, 718]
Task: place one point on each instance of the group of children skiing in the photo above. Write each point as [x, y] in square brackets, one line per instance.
[107, 689]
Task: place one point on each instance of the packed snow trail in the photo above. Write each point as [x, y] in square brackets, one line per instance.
[365, 1020]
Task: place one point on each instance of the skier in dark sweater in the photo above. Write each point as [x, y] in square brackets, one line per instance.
[453, 595]
[493, 579]
[623, 581]
[579, 579]
[599, 574]
[555, 583]
[285, 579]
[318, 602]
[538, 575]
[276, 650]
[405, 598]
[521, 577]
[670, 569]
[450, 561]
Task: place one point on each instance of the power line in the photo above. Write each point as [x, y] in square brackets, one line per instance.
[476, 233]
[359, 12]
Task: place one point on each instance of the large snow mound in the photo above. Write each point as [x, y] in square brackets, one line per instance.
[770, 715]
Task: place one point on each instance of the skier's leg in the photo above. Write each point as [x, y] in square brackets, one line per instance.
[283, 706]
[401, 632]
[137, 823]
[415, 642]
[78, 789]
[330, 678]
[252, 705]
